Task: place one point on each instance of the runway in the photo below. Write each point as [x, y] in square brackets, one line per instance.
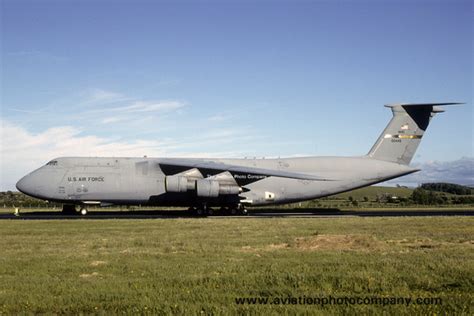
[258, 213]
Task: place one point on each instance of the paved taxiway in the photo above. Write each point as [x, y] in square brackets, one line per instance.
[267, 213]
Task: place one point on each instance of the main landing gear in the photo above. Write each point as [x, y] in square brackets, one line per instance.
[70, 209]
[204, 210]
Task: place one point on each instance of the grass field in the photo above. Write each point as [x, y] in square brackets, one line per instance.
[371, 192]
[200, 266]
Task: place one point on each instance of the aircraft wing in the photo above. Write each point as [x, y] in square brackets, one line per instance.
[209, 168]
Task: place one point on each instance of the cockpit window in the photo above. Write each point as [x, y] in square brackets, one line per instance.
[52, 163]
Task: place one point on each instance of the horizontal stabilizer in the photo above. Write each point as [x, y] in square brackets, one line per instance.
[423, 104]
[435, 107]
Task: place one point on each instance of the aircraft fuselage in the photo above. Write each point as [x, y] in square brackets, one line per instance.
[141, 181]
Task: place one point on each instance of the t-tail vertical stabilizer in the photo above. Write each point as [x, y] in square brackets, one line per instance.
[403, 134]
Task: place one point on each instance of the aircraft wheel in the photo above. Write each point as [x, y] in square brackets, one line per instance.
[224, 211]
[244, 212]
[210, 212]
[83, 211]
[200, 211]
[233, 211]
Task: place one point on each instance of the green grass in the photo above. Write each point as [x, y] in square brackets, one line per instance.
[192, 266]
[372, 192]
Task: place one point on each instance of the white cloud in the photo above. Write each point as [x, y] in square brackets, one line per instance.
[22, 151]
[27, 111]
[459, 171]
[112, 119]
[99, 95]
[100, 109]
[217, 118]
[145, 106]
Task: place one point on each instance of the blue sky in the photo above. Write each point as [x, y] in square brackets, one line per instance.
[228, 78]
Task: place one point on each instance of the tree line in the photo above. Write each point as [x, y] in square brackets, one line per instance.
[448, 188]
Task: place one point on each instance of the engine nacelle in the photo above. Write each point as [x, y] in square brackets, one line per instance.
[176, 184]
[229, 189]
[203, 187]
[207, 188]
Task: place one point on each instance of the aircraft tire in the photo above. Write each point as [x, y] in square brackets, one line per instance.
[200, 211]
[224, 211]
[244, 212]
[83, 211]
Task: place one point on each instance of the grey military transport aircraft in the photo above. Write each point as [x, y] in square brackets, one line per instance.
[207, 186]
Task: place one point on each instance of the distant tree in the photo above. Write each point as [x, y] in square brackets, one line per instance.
[424, 197]
[17, 199]
[462, 199]
[448, 188]
[419, 196]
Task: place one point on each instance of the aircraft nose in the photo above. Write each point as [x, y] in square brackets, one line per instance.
[39, 183]
[24, 185]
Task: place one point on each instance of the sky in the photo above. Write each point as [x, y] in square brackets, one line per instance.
[231, 79]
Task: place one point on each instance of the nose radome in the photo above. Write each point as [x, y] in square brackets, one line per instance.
[39, 183]
[24, 185]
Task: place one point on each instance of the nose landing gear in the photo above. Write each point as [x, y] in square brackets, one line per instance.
[83, 211]
[70, 209]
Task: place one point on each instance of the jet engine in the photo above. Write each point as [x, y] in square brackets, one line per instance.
[212, 188]
[176, 184]
[221, 184]
[207, 188]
